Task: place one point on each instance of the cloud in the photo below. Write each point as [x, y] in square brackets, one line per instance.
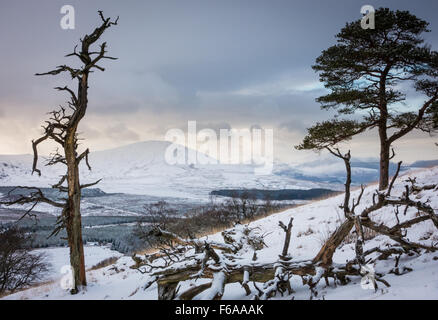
[89, 132]
[120, 132]
[214, 62]
[216, 126]
[294, 125]
[290, 84]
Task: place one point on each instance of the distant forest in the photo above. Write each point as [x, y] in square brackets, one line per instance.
[285, 194]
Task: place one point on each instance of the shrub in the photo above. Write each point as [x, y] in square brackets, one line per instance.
[18, 266]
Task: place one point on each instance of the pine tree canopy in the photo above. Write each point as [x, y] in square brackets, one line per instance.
[369, 73]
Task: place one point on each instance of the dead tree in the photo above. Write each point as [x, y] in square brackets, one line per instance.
[61, 127]
[287, 230]
[325, 255]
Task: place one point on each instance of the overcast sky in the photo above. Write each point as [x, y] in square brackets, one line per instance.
[227, 63]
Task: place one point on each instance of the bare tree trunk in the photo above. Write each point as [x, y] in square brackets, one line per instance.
[288, 231]
[167, 291]
[384, 164]
[74, 223]
[360, 241]
[325, 255]
[383, 134]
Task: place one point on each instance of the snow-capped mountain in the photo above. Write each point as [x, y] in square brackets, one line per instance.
[141, 168]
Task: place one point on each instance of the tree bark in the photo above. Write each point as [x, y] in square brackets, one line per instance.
[167, 291]
[383, 127]
[74, 223]
[287, 230]
[325, 255]
[384, 163]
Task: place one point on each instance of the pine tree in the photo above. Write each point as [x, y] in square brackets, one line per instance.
[368, 73]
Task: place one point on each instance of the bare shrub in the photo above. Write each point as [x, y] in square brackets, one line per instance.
[209, 218]
[19, 267]
[242, 206]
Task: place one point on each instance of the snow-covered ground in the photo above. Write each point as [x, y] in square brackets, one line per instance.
[312, 224]
[57, 258]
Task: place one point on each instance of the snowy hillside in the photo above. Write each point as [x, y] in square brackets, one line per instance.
[312, 225]
[57, 258]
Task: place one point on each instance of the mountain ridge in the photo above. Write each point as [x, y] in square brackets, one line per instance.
[140, 168]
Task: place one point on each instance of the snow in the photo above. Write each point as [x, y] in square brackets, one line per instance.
[59, 257]
[312, 224]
